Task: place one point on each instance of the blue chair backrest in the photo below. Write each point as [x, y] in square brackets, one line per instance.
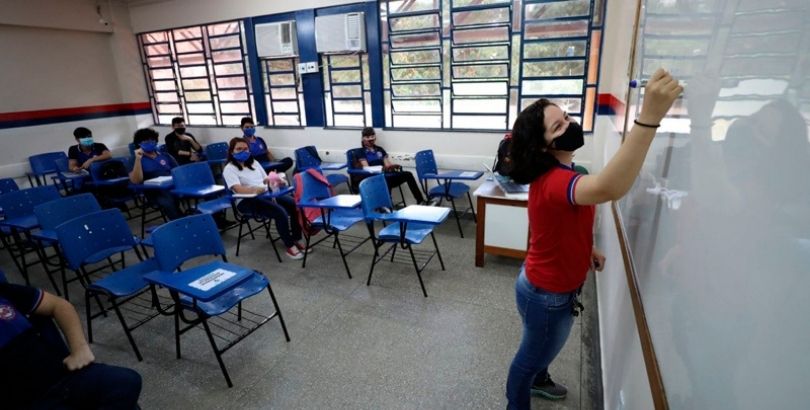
[53, 213]
[8, 185]
[93, 233]
[425, 163]
[304, 158]
[353, 157]
[192, 175]
[313, 189]
[218, 150]
[42, 164]
[374, 195]
[21, 203]
[186, 238]
[109, 169]
[62, 164]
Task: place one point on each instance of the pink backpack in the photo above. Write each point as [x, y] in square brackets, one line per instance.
[306, 215]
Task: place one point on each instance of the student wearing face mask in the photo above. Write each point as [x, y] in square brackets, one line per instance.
[259, 150]
[150, 163]
[561, 215]
[182, 145]
[86, 151]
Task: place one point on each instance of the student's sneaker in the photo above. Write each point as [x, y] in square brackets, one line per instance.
[549, 390]
[302, 248]
[293, 253]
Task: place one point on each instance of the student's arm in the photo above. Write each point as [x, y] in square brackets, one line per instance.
[194, 144]
[618, 175]
[68, 320]
[73, 165]
[232, 182]
[105, 155]
[136, 175]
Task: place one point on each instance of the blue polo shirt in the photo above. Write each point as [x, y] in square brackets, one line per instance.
[257, 147]
[159, 166]
[375, 156]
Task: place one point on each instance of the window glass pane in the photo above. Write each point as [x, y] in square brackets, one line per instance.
[414, 22]
[191, 46]
[486, 16]
[201, 120]
[412, 90]
[498, 88]
[480, 53]
[348, 106]
[206, 108]
[197, 84]
[404, 6]
[226, 56]
[162, 74]
[480, 106]
[417, 121]
[557, 9]
[553, 68]
[224, 42]
[285, 107]
[194, 71]
[233, 95]
[166, 97]
[345, 76]
[282, 79]
[281, 65]
[231, 82]
[285, 93]
[192, 96]
[541, 87]
[481, 35]
[169, 109]
[224, 28]
[347, 91]
[544, 30]
[415, 57]
[416, 73]
[481, 71]
[406, 106]
[345, 120]
[156, 37]
[569, 105]
[187, 33]
[286, 120]
[344, 61]
[554, 49]
[479, 122]
[229, 69]
[159, 61]
[165, 85]
[462, 3]
[157, 49]
[190, 59]
[415, 40]
[233, 108]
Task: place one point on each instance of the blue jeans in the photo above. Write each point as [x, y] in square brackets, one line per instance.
[282, 210]
[547, 322]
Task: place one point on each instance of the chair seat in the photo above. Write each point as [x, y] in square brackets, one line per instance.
[98, 256]
[247, 288]
[457, 189]
[46, 235]
[341, 219]
[126, 282]
[337, 179]
[214, 205]
[414, 234]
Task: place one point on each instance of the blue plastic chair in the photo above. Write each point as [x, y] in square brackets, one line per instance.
[43, 165]
[19, 205]
[195, 182]
[304, 159]
[192, 237]
[332, 222]
[8, 185]
[376, 203]
[91, 238]
[52, 214]
[217, 151]
[114, 189]
[426, 164]
[358, 174]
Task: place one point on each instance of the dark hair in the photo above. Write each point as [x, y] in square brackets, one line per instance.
[528, 150]
[81, 132]
[368, 131]
[246, 120]
[232, 160]
[145, 134]
[177, 120]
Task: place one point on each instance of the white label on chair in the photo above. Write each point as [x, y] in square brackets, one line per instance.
[212, 279]
[467, 174]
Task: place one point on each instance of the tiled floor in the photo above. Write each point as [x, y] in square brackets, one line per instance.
[355, 347]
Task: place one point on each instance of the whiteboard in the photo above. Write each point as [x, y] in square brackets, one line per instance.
[718, 221]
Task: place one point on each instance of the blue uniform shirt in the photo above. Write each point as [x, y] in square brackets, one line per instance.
[160, 166]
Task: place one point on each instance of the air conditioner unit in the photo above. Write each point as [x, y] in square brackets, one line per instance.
[276, 39]
[340, 33]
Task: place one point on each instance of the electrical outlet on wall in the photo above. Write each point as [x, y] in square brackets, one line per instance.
[302, 68]
[312, 67]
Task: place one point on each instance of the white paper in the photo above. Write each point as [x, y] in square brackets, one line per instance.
[212, 279]
[374, 168]
[158, 180]
[468, 174]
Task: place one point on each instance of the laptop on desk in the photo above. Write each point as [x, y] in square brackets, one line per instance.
[510, 188]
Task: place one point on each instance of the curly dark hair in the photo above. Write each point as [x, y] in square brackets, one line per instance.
[528, 150]
[145, 134]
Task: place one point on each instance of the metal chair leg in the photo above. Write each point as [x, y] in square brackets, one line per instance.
[458, 220]
[217, 353]
[418, 272]
[126, 329]
[438, 253]
[278, 311]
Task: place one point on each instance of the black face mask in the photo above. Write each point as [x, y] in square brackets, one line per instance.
[180, 131]
[571, 139]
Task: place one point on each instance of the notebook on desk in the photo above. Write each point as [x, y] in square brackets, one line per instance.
[510, 188]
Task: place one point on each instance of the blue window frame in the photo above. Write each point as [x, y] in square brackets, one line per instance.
[199, 73]
[471, 64]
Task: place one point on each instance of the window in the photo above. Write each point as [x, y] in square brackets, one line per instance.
[199, 73]
[347, 94]
[472, 64]
[284, 95]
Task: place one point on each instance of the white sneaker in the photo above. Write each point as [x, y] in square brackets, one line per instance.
[293, 253]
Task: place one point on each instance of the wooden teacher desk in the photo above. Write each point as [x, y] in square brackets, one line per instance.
[503, 224]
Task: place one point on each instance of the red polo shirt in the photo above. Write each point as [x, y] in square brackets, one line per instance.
[560, 232]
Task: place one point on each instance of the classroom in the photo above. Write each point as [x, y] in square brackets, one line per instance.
[404, 204]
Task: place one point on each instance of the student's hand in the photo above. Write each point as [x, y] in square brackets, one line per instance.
[194, 157]
[260, 190]
[138, 153]
[79, 359]
[597, 260]
[659, 94]
[393, 168]
[87, 163]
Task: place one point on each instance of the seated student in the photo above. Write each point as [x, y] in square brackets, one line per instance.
[148, 164]
[182, 145]
[86, 151]
[258, 148]
[243, 175]
[375, 155]
[37, 372]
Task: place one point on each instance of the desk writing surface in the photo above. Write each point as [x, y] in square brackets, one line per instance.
[188, 281]
[336, 202]
[714, 220]
[420, 214]
[456, 174]
[24, 223]
[333, 166]
[490, 189]
[199, 191]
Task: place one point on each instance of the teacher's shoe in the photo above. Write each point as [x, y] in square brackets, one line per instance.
[549, 390]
